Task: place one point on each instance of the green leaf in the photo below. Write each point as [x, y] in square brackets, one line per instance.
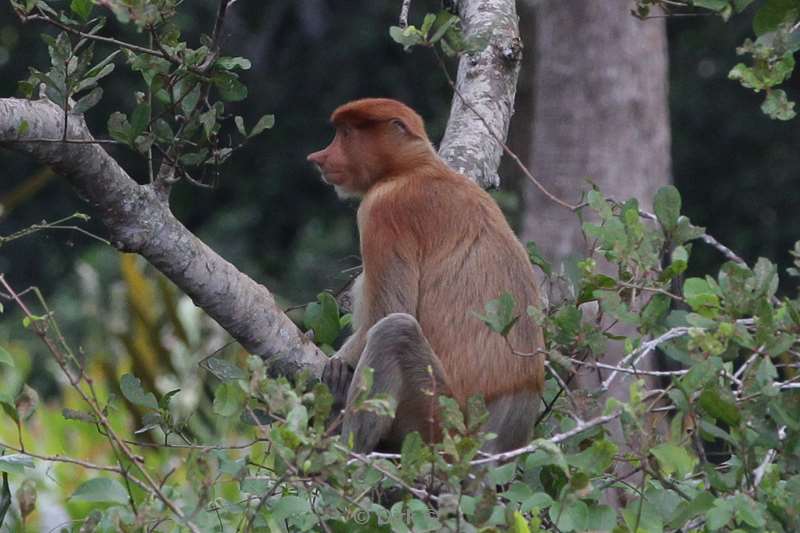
[596, 458]
[777, 106]
[119, 128]
[674, 459]
[23, 128]
[5, 357]
[772, 14]
[780, 344]
[536, 257]
[667, 206]
[288, 506]
[15, 463]
[713, 5]
[82, 8]
[570, 517]
[229, 399]
[208, 120]
[413, 455]
[163, 131]
[427, 24]
[602, 518]
[323, 318]
[749, 512]
[88, 101]
[189, 102]
[195, 158]
[264, 123]
[519, 525]
[101, 490]
[230, 63]
[102, 69]
[239, 121]
[163, 403]
[700, 295]
[500, 314]
[700, 374]
[719, 515]
[741, 5]
[720, 405]
[224, 370]
[9, 408]
[444, 21]
[131, 388]
[229, 87]
[655, 312]
[503, 474]
[599, 204]
[139, 120]
[407, 37]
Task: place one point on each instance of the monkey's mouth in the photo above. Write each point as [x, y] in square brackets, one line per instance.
[330, 177]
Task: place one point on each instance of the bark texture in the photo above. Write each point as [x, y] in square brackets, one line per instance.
[600, 112]
[486, 85]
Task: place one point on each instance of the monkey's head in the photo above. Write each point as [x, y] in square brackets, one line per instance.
[376, 138]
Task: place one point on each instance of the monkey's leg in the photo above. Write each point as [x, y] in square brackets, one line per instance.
[511, 417]
[406, 369]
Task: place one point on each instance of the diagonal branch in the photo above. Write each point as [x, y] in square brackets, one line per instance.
[139, 220]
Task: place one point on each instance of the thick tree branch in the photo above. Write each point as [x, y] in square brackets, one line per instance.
[487, 80]
[139, 220]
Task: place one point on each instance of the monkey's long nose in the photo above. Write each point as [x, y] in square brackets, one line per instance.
[318, 158]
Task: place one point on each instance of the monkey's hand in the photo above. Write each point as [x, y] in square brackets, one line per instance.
[337, 375]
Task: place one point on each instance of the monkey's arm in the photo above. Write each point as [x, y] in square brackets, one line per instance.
[389, 252]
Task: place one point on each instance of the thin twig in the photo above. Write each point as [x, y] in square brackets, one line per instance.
[403, 23]
[555, 439]
[643, 350]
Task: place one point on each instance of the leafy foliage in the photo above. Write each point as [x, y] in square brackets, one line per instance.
[775, 25]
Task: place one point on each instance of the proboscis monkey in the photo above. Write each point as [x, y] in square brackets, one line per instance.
[435, 248]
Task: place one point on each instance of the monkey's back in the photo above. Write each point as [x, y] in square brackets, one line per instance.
[468, 256]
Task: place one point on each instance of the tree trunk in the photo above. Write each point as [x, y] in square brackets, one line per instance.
[600, 113]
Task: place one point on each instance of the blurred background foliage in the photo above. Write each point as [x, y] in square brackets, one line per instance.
[270, 214]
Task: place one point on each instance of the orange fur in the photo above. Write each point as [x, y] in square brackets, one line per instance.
[434, 245]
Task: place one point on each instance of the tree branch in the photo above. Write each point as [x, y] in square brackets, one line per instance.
[487, 80]
[139, 220]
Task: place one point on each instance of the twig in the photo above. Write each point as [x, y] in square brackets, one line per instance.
[759, 472]
[404, 14]
[215, 36]
[561, 383]
[643, 350]
[108, 40]
[631, 370]
[708, 239]
[555, 439]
